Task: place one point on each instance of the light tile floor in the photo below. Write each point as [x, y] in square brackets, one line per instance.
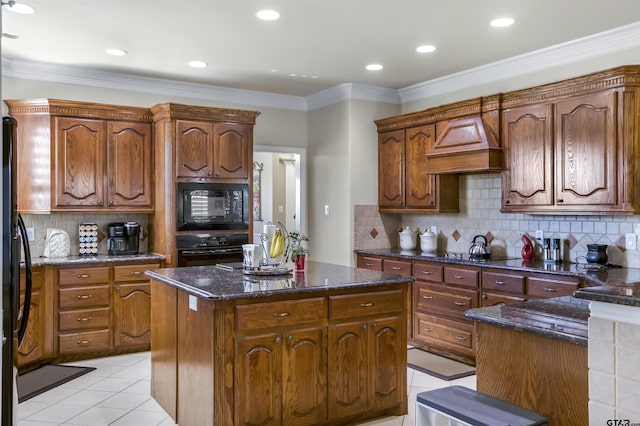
[117, 393]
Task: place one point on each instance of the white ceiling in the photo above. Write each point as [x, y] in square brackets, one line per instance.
[330, 39]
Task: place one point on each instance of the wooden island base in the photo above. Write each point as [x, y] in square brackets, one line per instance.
[335, 356]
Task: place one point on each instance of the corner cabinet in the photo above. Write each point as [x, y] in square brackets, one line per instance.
[404, 182]
[90, 157]
[572, 146]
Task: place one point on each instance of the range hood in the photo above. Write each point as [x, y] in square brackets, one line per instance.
[468, 140]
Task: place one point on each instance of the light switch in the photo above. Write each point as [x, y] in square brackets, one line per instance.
[326, 209]
[31, 235]
[630, 241]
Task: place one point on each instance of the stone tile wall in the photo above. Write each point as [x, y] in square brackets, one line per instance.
[69, 222]
[480, 215]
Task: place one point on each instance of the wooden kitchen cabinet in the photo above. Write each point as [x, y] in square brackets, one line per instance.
[132, 306]
[404, 181]
[540, 285]
[33, 346]
[365, 362]
[91, 157]
[572, 153]
[208, 150]
[502, 287]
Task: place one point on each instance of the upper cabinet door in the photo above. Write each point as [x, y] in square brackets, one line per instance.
[527, 143]
[80, 162]
[194, 149]
[420, 185]
[586, 172]
[232, 143]
[129, 164]
[391, 164]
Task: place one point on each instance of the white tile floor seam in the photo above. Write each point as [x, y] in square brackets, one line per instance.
[117, 393]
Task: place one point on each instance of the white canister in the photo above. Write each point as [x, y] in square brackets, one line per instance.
[408, 239]
[428, 241]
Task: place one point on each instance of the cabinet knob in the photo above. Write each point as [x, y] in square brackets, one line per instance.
[208, 173]
[278, 340]
[560, 200]
[485, 297]
[100, 202]
[374, 325]
[290, 339]
[364, 326]
[110, 202]
[507, 202]
[431, 203]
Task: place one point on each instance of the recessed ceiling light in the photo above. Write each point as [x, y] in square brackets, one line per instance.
[427, 48]
[197, 64]
[502, 22]
[374, 67]
[116, 52]
[20, 8]
[268, 15]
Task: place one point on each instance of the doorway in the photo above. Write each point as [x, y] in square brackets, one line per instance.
[281, 197]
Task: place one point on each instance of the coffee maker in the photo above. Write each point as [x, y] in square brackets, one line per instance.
[123, 238]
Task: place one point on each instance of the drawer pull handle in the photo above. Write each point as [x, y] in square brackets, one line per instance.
[83, 275]
[85, 319]
[367, 305]
[427, 273]
[84, 296]
[368, 264]
[396, 268]
[500, 282]
[460, 337]
[281, 314]
[84, 342]
[458, 277]
[551, 290]
[427, 297]
[460, 303]
[136, 272]
[427, 329]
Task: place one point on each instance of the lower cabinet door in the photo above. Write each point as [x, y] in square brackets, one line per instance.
[132, 315]
[386, 371]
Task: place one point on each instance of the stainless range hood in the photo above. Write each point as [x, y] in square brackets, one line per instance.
[468, 140]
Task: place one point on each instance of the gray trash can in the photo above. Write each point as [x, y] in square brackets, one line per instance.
[460, 406]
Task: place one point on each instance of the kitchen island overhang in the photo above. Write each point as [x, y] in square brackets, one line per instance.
[325, 346]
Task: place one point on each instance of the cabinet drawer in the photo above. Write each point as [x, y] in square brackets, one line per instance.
[466, 277]
[428, 272]
[444, 333]
[132, 272]
[353, 305]
[538, 286]
[500, 281]
[373, 263]
[275, 314]
[84, 319]
[444, 300]
[401, 267]
[81, 297]
[84, 276]
[492, 299]
[83, 342]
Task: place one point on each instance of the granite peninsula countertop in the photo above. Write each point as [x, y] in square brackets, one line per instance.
[564, 318]
[211, 282]
[88, 260]
[612, 285]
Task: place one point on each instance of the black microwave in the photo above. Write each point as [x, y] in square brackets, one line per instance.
[212, 206]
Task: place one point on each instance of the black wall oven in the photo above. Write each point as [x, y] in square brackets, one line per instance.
[209, 249]
[212, 206]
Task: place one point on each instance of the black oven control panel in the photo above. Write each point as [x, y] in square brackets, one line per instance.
[195, 241]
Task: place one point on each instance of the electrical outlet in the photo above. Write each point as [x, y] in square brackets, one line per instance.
[630, 241]
[434, 229]
[539, 235]
[326, 209]
[31, 234]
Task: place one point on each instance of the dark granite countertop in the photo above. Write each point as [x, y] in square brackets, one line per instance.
[214, 283]
[88, 260]
[612, 284]
[563, 318]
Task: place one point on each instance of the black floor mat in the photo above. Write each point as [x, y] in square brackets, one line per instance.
[47, 377]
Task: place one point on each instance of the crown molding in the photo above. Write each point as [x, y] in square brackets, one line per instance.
[595, 45]
[120, 81]
[350, 91]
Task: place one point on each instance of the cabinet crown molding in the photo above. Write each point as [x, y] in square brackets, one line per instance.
[188, 112]
[79, 109]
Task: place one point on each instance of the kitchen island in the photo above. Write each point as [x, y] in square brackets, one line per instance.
[323, 346]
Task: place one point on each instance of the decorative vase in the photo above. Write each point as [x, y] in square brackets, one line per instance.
[597, 253]
[298, 264]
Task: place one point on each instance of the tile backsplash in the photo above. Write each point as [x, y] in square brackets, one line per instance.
[480, 215]
[69, 222]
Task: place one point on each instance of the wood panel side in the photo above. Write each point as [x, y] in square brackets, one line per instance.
[164, 360]
[546, 375]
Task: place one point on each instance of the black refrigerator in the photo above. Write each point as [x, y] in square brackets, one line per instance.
[14, 236]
